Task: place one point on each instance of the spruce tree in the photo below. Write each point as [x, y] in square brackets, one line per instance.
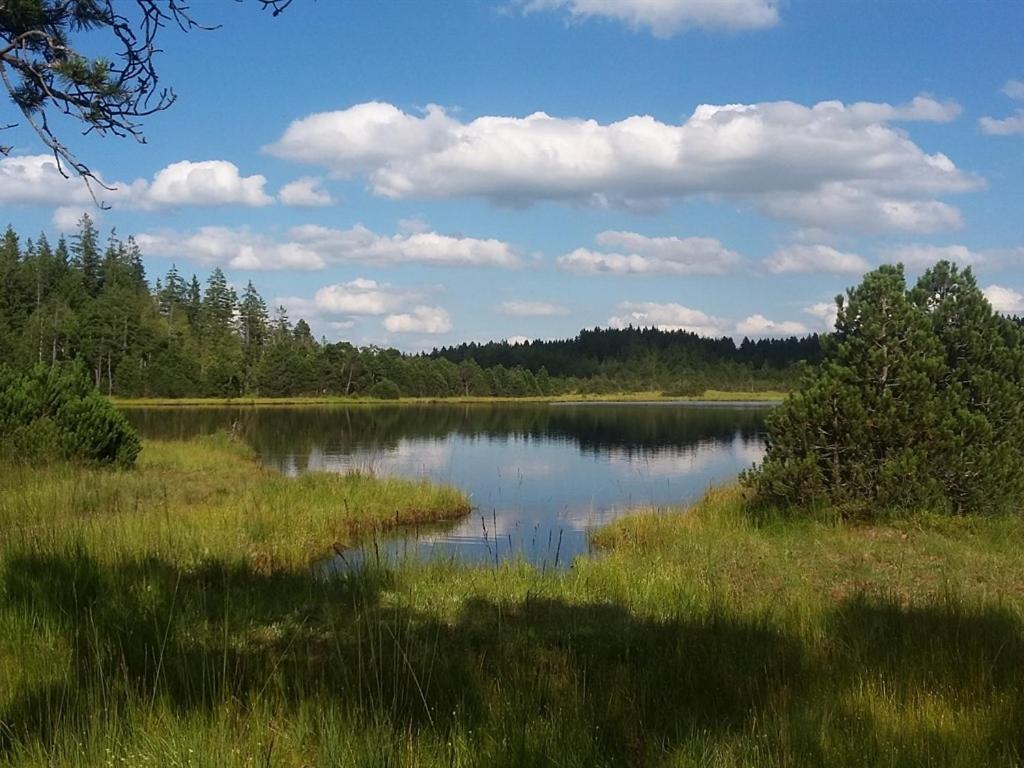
[220, 303]
[10, 253]
[86, 251]
[194, 302]
[253, 319]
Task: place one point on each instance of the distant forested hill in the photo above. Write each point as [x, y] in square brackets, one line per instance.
[90, 303]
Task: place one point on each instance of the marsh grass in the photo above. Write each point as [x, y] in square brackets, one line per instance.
[692, 638]
[210, 499]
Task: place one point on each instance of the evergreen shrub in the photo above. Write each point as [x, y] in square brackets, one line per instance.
[918, 404]
[56, 413]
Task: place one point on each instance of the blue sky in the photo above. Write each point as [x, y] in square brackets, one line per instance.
[418, 173]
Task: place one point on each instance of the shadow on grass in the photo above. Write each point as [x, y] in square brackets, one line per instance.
[615, 688]
[963, 659]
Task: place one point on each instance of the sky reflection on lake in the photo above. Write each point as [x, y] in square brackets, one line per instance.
[540, 476]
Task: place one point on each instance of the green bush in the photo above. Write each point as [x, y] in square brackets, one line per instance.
[385, 389]
[55, 413]
[917, 404]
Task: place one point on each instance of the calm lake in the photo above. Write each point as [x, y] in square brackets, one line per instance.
[539, 476]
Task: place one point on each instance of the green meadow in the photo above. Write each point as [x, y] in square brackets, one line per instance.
[174, 615]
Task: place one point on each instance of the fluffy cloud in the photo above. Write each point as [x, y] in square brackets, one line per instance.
[307, 192]
[336, 306]
[826, 312]
[918, 255]
[413, 225]
[815, 258]
[358, 297]
[66, 217]
[759, 325]
[668, 317]
[37, 180]
[921, 255]
[531, 309]
[843, 206]
[676, 317]
[637, 254]
[206, 183]
[665, 18]
[233, 247]
[364, 137]
[360, 244]
[1005, 300]
[421, 319]
[314, 247]
[1014, 89]
[830, 165]
[1007, 126]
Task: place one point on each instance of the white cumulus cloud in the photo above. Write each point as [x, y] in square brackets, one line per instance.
[665, 18]
[668, 317]
[360, 244]
[421, 319]
[676, 317]
[338, 306]
[307, 192]
[519, 308]
[1005, 300]
[37, 180]
[815, 258]
[925, 255]
[235, 247]
[314, 247]
[830, 165]
[66, 217]
[358, 297]
[857, 208]
[1007, 126]
[632, 253]
[1014, 89]
[759, 325]
[921, 255]
[826, 312]
[206, 183]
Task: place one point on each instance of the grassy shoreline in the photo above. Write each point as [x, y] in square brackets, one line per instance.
[210, 498]
[711, 395]
[199, 636]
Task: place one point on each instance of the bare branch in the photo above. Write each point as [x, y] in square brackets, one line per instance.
[42, 70]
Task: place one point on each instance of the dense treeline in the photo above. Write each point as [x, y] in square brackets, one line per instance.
[650, 359]
[90, 301]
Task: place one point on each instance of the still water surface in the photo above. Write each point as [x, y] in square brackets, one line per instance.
[539, 476]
